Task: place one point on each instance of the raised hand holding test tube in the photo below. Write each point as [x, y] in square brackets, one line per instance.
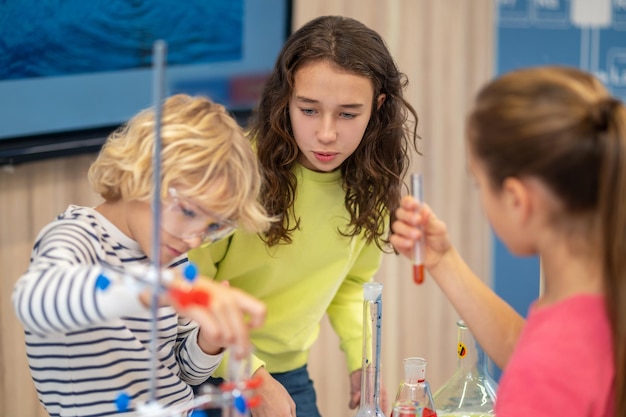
[418, 248]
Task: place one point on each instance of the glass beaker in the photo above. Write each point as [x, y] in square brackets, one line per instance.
[414, 398]
[470, 392]
[370, 368]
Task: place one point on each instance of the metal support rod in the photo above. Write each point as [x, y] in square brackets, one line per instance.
[158, 87]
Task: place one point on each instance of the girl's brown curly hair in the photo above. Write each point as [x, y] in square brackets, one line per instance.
[372, 175]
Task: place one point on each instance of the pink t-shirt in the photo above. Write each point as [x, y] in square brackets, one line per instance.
[563, 363]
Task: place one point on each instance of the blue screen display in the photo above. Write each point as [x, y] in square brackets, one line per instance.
[68, 65]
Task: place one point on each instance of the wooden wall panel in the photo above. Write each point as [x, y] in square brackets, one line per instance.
[31, 195]
[446, 49]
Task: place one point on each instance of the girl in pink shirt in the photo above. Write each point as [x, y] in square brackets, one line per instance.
[547, 149]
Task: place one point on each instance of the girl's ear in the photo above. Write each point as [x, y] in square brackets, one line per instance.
[380, 100]
[517, 199]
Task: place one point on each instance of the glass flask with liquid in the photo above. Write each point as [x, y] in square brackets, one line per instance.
[370, 368]
[470, 392]
[414, 398]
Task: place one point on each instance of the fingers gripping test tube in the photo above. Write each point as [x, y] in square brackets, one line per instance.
[418, 248]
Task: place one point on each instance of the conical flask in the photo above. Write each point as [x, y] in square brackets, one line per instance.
[414, 398]
[372, 330]
[470, 392]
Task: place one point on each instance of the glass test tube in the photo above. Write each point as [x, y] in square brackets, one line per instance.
[418, 248]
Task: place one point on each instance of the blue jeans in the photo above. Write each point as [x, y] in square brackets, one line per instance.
[298, 385]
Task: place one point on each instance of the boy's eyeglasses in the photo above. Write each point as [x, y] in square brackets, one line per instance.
[183, 219]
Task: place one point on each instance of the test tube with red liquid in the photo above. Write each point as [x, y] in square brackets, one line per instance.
[418, 248]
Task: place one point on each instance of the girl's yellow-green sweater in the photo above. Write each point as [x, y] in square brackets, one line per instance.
[320, 272]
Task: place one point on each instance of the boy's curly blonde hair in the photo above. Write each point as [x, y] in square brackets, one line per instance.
[203, 149]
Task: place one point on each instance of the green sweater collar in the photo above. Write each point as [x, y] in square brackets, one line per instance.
[317, 176]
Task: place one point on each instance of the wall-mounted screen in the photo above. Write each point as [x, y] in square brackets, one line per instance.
[73, 70]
